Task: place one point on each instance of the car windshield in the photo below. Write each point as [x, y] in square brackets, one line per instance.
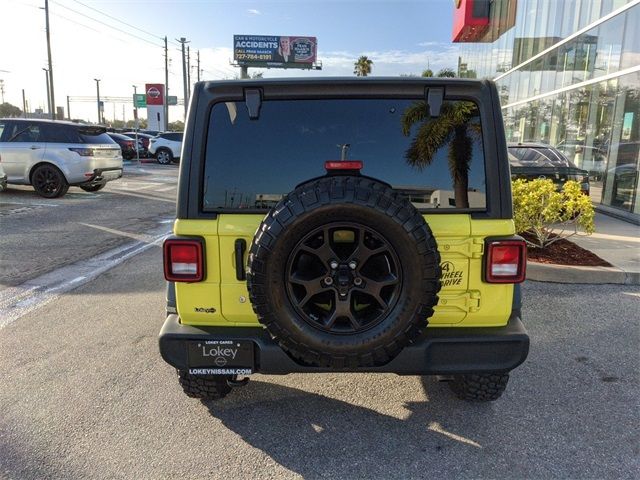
[537, 157]
[292, 140]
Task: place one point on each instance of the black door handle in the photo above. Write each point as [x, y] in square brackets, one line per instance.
[239, 247]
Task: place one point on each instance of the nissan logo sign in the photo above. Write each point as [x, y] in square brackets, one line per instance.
[153, 92]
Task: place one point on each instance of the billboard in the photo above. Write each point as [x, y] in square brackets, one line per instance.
[274, 51]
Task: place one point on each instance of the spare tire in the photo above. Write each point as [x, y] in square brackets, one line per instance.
[344, 272]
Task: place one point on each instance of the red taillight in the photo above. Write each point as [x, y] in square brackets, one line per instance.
[506, 261]
[343, 165]
[183, 260]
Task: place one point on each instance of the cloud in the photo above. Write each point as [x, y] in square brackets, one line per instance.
[390, 62]
[253, 11]
[432, 44]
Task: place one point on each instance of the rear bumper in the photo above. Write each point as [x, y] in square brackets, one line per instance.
[440, 351]
[102, 175]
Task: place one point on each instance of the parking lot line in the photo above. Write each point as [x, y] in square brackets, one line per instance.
[166, 189]
[18, 301]
[32, 204]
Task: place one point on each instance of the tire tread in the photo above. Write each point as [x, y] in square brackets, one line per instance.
[365, 192]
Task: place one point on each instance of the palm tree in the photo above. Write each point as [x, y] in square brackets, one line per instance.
[362, 67]
[427, 73]
[446, 72]
[451, 128]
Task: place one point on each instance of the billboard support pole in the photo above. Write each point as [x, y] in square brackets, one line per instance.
[244, 71]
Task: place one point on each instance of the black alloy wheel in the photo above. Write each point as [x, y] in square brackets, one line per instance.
[343, 278]
[49, 182]
[344, 272]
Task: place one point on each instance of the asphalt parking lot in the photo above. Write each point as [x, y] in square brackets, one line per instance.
[86, 395]
[40, 235]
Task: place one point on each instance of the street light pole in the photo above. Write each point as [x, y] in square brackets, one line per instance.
[135, 111]
[184, 77]
[98, 96]
[46, 74]
[52, 105]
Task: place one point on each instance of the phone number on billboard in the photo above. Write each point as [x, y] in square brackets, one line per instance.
[252, 56]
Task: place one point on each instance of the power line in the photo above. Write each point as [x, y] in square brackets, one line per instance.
[107, 25]
[118, 20]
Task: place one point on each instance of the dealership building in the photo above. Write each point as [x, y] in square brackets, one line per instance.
[568, 74]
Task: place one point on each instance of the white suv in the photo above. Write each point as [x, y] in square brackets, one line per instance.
[53, 155]
[166, 147]
[3, 178]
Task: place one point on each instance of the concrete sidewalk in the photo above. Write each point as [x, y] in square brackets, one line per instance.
[616, 241]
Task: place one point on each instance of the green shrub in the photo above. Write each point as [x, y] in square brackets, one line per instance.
[547, 214]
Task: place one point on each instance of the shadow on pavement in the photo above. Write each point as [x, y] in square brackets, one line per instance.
[315, 435]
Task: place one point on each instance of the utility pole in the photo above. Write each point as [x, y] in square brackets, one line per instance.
[46, 74]
[24, 104]
[68, 108]
[98, 96]
[135, 114]
[52, 105]
[189, 71]
[184, 76]
[166, 84]
[2, 89]
[198, 65]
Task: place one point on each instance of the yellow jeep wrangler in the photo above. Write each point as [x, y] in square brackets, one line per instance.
[344, 225]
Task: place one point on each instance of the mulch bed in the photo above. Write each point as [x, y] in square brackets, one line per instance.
[564, 252]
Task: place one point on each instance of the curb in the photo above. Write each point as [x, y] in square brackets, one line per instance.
[544, 272]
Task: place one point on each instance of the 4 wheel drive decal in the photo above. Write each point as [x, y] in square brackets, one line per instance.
[450, 276]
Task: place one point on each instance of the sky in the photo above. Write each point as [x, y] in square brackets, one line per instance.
[120, 42]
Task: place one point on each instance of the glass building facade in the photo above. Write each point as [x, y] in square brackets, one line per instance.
[568, 73]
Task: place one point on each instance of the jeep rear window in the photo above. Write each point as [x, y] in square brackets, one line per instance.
[437, 163]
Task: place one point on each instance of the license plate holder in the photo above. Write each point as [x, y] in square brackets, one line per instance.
[221, 357]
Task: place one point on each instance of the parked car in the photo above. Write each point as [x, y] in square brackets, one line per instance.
[592, 158]
[3, 178]
[143, 138]
[166, 147]
[539, 160]
[127, 145]
[53, 155]
[153, 133]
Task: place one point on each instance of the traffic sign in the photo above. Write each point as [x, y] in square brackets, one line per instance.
[140, 100]
[172, 100]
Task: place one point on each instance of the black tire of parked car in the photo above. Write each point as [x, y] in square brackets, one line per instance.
[410, 262]
[164, 156]
[204, 387]
[49, 182]
[93, 188]
[481, 387]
